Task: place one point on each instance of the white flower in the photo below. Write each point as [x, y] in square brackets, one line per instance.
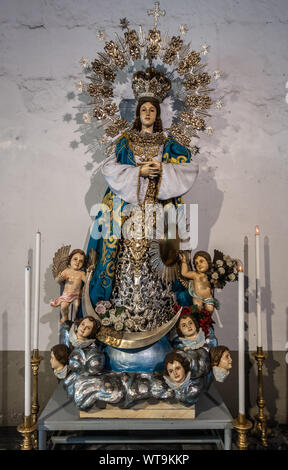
[118, 326]
[229, 263]
[129, 323]
[219, 262]
[112, 311]
[215, 276]
[106, 321]
[221, 270]
[232, 277]
[227, 258]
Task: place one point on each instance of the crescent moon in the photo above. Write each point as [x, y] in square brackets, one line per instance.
[122, 339]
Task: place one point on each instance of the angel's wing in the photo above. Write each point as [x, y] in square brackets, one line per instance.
[60, 260]
[217, 255]
[92, 258]
[184, 281]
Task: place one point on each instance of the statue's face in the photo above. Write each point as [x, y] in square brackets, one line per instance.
[176, 372]
[148, 114]
[225, 361]
[201, 264]
[77, 261]
[55, 364]
[187, 327]
[85, 328]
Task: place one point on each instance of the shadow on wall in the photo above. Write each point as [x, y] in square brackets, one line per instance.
[270, 391]
[51, 317]
[4, 372]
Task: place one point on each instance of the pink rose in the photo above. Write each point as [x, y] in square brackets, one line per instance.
[106, 303]
[100, 308]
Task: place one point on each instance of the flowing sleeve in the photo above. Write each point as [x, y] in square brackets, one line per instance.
[121, 172]
[122, 179]
[179, 172]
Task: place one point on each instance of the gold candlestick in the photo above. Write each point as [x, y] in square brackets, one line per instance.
[27, 429]
[260, 426]
[242, 426]
[35, 362]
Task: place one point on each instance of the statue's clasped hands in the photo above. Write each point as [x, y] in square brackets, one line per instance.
[150, 169]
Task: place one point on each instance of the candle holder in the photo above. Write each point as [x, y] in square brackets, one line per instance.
[27, 429]
[260, 425]
[242, 426]
[35, 362]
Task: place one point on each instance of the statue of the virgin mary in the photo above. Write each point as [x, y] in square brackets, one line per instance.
[148, 167]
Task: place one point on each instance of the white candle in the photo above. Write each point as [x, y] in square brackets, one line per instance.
[241, 339]
[27, 407]
[258, 287]
[37, 291]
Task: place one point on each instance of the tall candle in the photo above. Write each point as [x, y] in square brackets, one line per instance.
[258, 286]
[27, 407]
[37, 291]
[241, 340]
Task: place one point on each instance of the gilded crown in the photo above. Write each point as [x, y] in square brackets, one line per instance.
[151, 84]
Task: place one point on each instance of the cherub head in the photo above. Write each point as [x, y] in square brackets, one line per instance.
[148, 113]
[187, 326]
[176, 367]
[77, 259]
[220, 357]
[202, 261]
[86, 328]
[59, 355]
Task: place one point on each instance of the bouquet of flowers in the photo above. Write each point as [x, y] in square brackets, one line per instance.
[203, 317]
[223, 270]
[109, 316]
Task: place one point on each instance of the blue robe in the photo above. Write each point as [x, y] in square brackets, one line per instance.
[107, 248]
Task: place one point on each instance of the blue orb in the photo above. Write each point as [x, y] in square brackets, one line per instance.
[148, 359]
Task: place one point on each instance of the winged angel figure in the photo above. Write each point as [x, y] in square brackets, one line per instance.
[208, 274]
[71, 269]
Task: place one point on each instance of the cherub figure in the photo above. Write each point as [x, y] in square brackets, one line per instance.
[199, 286]
[59, 356]
[176, 369]
[70, 270]
[221, 362]
[83, 332]
[190, 335]
[177, 375]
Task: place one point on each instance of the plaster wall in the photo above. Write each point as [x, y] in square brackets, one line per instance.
[46, 169]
